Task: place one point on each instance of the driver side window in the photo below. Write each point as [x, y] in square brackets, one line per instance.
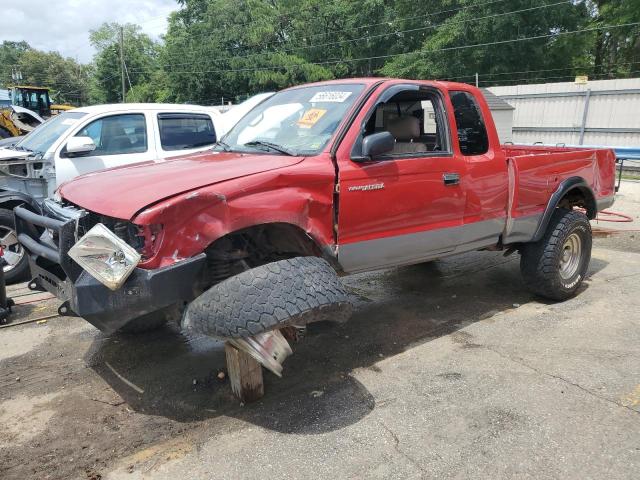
[117, 134]
[416, 121]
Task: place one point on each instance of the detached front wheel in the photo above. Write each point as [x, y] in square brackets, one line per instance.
[555, 266]
[292, 292]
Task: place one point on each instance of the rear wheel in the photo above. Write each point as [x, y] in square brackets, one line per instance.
[555, 266]
[16, 265]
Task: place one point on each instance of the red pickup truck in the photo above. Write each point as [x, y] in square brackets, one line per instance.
[317, 181]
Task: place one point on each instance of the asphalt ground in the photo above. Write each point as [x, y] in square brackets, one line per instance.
[449, 369]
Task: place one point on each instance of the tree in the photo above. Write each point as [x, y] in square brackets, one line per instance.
[141, 60]
[10, 53]
[67, 79]
[229, 48]
[616, 51]
[480, 38]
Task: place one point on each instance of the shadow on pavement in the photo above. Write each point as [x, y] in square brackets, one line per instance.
[172, 375]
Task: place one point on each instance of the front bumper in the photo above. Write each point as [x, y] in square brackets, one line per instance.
[145, 291]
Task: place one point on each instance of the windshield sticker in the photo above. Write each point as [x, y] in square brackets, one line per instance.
[69, 121]
[330, 97]
[311, 117]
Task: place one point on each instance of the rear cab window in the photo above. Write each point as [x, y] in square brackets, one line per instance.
[183, 131]
[472, 132]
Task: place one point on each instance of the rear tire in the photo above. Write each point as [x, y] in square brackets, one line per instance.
[18, 264]
[295, 291]
[555, 266]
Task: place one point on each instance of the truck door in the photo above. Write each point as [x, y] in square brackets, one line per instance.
[485, 184]
[120, 139]
[408, 205]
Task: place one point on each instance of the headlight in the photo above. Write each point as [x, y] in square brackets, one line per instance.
[105, 257]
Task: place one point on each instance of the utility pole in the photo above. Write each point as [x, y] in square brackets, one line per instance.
[477, 82]
[122, 61]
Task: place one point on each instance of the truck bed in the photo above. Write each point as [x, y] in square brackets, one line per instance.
[535, 172]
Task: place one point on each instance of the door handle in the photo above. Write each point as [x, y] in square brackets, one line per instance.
[451, 178]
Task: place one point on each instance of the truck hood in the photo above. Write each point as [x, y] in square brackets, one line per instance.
[9, 154]
[122, 192]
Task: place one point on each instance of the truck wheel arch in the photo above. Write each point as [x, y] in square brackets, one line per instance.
[263, 243]
[572, 192]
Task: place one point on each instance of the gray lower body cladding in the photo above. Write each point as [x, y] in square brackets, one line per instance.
[418, 247]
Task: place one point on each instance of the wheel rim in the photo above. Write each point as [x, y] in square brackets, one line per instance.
[571, 255]
[12, 251]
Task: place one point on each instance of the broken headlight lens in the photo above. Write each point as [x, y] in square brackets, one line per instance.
[105, 257]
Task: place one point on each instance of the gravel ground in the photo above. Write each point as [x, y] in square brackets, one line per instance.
[449, 369]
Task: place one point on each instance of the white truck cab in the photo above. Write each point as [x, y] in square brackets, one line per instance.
[88, 139]
[94, 138]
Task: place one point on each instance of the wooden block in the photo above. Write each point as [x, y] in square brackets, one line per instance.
[245, 374]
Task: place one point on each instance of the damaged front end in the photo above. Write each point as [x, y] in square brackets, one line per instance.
[111, 290]
[25, 172]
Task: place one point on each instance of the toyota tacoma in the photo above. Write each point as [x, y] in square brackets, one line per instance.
[318, 181]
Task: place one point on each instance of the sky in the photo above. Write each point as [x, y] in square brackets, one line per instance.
[64, 25]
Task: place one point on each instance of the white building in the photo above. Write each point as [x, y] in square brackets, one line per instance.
[502, 113]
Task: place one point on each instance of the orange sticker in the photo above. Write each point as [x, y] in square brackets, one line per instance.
[311, 117]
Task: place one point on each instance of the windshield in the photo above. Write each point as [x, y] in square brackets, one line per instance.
[300, 121]
[43, 137]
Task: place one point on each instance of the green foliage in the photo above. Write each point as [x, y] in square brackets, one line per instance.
[141, 60]
[10, 53]
[616, 52]
[66, 78]
[222, 48]
[439, 55]
[230, 49]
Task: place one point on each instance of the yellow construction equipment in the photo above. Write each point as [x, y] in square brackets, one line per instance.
[30, 106]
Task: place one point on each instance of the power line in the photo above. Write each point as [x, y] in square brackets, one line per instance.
[192, 38]
[589, 67]
[539, 79]
[416, 52]
[128, 78]
[371, 37]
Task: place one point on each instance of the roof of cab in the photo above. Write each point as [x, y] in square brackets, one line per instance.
[369, 81]
[130, 107]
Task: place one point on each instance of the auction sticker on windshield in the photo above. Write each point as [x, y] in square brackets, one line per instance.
[330, 97]
[311, 117]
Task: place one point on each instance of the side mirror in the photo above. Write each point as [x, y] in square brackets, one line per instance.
[377, 144]
[80, 145]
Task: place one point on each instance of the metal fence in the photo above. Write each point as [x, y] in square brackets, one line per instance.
[602, 112]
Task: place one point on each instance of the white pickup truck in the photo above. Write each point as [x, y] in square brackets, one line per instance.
[94, 138]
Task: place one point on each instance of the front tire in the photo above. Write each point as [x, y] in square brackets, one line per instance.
[555, 266]
[17, 263]
[295, 291]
